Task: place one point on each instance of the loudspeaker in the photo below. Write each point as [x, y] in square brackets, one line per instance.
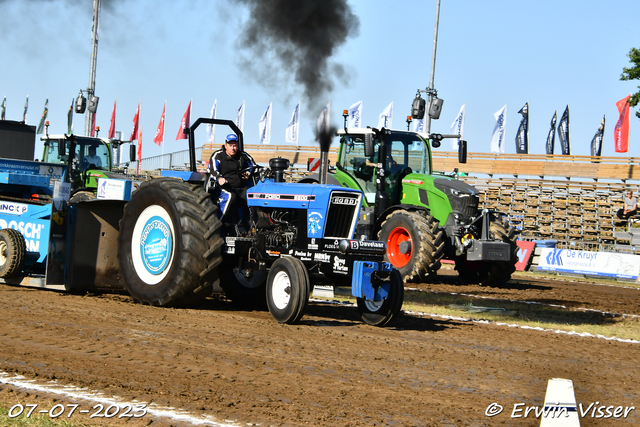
[435, 108]
[81, 104]
[92, 105]
[417, 108]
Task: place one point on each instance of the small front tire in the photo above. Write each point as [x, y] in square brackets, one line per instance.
[384, 312]
[288, 290]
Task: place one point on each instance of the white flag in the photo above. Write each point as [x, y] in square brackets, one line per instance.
[499, 131]
[385, 120]
[355, 115]
[457, 128]
[211, 129]
[418, 125]
[291, 133]
[264, 127]
[324, 119]
[240, 118]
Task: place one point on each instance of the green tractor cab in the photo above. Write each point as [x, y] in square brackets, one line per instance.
[91, 159]
[421, 214]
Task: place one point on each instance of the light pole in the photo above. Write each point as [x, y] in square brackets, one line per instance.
[430, 90]
[92, 104]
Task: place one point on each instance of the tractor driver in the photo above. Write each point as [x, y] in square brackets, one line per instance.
[91, 159]
[227, 184]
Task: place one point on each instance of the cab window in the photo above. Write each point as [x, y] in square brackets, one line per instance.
[356, 164]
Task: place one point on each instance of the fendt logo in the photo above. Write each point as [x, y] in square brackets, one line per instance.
[554, 257]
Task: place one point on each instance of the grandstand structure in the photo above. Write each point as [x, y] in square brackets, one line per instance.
[571, 199]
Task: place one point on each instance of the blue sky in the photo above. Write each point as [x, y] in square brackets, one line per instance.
[490, 53]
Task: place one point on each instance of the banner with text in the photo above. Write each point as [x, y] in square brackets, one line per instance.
[606, 264]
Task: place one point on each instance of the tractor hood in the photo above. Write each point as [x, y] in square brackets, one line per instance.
[455, 187]
[462, 196]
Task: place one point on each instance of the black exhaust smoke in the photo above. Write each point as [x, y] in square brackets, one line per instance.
[301, 36]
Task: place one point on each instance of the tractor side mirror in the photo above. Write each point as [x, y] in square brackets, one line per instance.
[462, 151]
[369, 150]
[132, 153]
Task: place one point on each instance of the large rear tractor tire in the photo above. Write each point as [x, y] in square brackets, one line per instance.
[13, 251]
[384, 312]
[491, 273]
[169, 244]
[288, 290]
[415, 244]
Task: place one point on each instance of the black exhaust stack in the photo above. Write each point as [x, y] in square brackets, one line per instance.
[324, 138]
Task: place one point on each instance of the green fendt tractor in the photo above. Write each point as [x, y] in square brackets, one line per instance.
[85, 170]
[422, 215]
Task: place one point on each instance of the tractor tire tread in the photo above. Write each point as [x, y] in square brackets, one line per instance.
[16, 253]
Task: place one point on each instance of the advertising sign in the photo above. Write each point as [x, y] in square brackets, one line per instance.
[607, 264]
[525, 251]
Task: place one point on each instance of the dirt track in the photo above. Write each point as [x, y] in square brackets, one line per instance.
[331, 370]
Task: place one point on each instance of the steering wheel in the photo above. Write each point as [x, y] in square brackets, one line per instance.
[255, 171]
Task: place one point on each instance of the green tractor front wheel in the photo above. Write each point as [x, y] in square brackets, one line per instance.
[415, 244]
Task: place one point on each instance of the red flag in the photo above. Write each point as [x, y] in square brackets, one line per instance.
[140, 152]
[112, 128]
[136, 120]
[93, 125]
[186, 119]
[621, 131]
[160, 131]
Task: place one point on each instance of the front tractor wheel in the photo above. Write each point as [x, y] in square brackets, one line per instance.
[169, 244]
[415, 244]
[381, 313]
[491, 273]
[13, 251]
[288, 290]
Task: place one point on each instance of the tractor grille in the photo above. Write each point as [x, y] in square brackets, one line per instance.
[467, 205]
[341, 215]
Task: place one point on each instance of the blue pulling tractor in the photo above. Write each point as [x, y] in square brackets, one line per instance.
[165, 245]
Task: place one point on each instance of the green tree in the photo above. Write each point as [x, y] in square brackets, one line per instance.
[633, 73]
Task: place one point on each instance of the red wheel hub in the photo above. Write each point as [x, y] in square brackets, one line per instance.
[396, 256]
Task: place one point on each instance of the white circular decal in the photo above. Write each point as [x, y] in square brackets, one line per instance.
[152, 247]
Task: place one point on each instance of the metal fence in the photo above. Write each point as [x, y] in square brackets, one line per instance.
[178, 160]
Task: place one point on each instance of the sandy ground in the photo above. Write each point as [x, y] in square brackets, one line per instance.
[330, 370]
